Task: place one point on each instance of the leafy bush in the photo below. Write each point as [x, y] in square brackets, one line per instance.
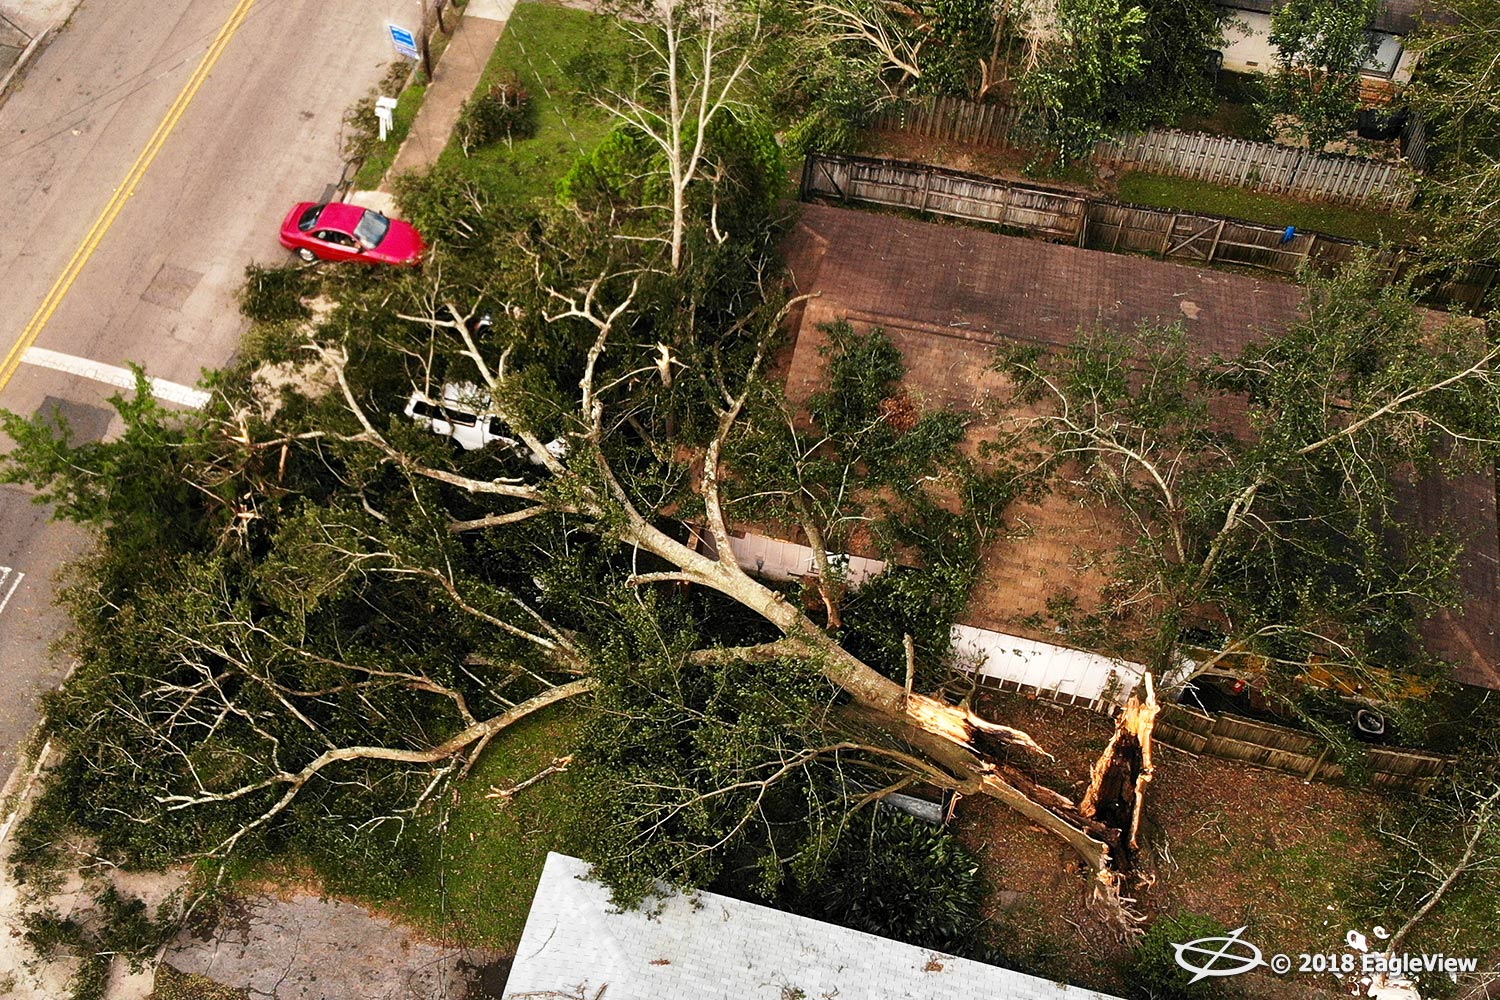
[1154, 973]
[444, 205]
[274, 294]
[505, 111]
[895, 876]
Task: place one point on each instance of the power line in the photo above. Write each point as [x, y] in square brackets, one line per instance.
[113, 97]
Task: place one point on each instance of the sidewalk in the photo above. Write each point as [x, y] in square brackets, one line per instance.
[25, 27]
[454, 80]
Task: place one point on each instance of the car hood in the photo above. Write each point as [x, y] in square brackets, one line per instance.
[402, 242]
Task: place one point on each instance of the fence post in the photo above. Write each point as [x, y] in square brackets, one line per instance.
[1166, 240]
[1489, 282]
[1313, 774]
[1214, 248]
[926, 186]
[1083, 224]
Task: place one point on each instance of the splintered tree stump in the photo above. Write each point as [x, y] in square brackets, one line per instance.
[1116, 792]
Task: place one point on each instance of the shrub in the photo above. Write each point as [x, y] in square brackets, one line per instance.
[274, 294]
[505, 111]
[1154, 973]
[898, 877]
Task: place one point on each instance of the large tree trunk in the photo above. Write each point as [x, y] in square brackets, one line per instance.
[946, 734]
[1116, 792]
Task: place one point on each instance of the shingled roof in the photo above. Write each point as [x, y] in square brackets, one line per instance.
[711, 947]
[948, 294]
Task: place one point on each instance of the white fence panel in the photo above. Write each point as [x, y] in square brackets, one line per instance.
[1008, 661]
[782, 560]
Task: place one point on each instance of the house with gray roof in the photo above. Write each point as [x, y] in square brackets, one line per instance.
[576, 946]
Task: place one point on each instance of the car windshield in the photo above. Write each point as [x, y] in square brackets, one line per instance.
[310, 217]
[372, 228]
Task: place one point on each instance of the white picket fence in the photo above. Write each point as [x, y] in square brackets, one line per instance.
[1006, 662]
[1217, 159]
[1264, 166]
[1061, 673]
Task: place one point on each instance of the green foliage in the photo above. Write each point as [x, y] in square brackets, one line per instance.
[171, 984]
[723, 774]
[1324, 566]
[1153, 973]
[744, 175]
[821, 94]
[1098, 55]
[862, 462]
[959, 36]
[117, 926]
[897, 877]
[130, 483]
[1455, 92]
[1320, 46]
[504, 111]
[443, 203]
[274, 294]
[1177, 39]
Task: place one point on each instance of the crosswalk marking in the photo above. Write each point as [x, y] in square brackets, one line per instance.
[14, 578]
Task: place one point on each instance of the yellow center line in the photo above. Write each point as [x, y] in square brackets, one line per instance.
[122, 193]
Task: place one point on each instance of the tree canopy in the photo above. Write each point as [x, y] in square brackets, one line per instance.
[1320, 47]
[1456, 92]
[1266, 486]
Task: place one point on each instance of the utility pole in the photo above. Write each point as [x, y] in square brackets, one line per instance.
[423, 43]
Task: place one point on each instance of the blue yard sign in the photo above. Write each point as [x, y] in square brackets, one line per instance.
[405, 41]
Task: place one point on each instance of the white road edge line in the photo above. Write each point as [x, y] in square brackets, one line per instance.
[16, 583]
[124, 378]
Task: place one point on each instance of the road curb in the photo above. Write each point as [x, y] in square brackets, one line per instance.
[20, 784]
[31, 49]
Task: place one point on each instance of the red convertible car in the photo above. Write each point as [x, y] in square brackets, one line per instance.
[336, 231]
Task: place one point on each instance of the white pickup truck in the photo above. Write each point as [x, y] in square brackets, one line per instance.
[463, 414]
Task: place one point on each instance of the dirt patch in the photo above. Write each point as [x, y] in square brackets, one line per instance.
[1240, 844]
[992, 161]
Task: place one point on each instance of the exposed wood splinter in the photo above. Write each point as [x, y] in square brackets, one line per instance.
[1116, 792]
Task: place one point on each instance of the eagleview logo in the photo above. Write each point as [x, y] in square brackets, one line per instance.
[1238, 955]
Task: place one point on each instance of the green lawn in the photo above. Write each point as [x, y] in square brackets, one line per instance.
[1141, 188]
[474, 881]
[563, 57]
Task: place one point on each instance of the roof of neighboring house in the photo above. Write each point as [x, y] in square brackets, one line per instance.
[710, 947]
[1399, 17]
[946, 295]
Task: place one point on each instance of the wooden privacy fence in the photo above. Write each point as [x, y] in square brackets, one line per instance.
[954, 119]
[898, 184]
[1263, 166]
[1101, 224]
[1280, 748]
[1257, 166]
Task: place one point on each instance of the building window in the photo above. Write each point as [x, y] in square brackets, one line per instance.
[1387, 54]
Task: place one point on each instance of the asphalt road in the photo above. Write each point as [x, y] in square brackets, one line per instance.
[260, 132]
